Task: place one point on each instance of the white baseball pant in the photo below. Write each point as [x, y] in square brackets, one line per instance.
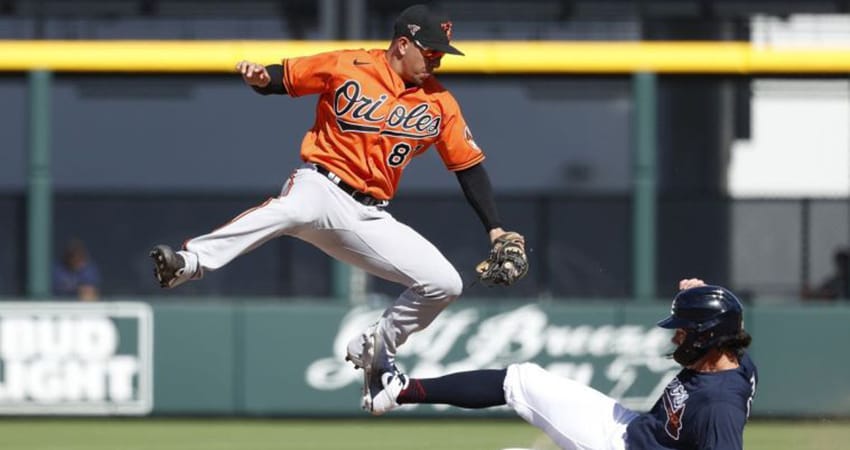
[313, 209]
[573, 415]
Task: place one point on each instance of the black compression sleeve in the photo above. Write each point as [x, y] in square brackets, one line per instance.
[479, 193]
[275, 86]
[475, 389]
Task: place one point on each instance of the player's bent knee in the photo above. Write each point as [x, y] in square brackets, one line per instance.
[452, 285]
[444, 285]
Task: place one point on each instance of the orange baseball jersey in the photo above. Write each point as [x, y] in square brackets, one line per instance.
[369, 125]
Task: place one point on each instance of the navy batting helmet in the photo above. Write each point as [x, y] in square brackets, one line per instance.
[711, 315]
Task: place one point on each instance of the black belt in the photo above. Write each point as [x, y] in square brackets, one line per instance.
[361, 197]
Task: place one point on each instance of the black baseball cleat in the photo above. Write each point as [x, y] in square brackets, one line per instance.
[169, 267]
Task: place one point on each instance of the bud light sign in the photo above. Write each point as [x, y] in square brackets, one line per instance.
[62, 358]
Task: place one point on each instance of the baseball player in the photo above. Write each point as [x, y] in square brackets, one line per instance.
[704, 407]
[376, 111]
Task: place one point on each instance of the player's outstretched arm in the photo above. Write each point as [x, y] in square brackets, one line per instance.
[476, 186]
[506, 261]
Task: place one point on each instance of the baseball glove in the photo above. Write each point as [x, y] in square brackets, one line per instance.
[507, 261]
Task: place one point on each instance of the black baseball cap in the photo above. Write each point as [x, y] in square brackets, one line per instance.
[426, 29]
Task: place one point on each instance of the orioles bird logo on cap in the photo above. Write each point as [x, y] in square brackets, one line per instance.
[447, 28]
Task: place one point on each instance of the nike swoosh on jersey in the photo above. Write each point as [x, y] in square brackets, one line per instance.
[360, 63]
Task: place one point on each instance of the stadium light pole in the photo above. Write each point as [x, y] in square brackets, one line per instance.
[644, 195]
[39, 193]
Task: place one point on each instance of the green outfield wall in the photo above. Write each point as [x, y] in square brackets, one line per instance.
[259, 359]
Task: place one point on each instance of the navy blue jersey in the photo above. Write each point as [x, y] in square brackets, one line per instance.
[705, 411]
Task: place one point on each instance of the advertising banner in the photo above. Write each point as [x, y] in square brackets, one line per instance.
[288, 360]
[76, 358]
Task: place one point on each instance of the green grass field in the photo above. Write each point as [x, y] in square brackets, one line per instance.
[360, 434]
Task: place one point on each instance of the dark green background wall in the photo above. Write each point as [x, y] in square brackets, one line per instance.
[255, 359]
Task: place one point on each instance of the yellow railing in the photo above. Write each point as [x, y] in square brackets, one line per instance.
[501, 57]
